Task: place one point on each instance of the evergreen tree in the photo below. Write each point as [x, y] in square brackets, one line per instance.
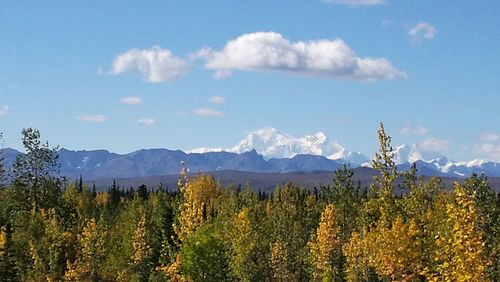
[289, 225]
[142, 191]
[345, 195]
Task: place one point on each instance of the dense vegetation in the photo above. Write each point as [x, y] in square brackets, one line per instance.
[53, 230]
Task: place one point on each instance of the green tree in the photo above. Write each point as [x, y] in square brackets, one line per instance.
[290, 222]
[249, 261]
[345, 195]
[489, 218]
[35, 172]
[204, 257]
[2, 164]
[384, 183]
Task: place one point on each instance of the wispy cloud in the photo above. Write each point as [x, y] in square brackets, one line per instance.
[413, 129]
[489, 147]
[490, 137]
[98, 118]
[355, 3]
[422, 31]
[4, 110]
[218, 100]
[147, 121]
[155, 65]
[270, 51]
[434, 145]
[207, 112]
[131, 100]
[490, 151]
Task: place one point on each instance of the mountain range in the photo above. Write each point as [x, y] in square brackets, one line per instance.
[263, 151]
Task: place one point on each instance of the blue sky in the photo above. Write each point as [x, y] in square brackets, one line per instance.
[124, 75]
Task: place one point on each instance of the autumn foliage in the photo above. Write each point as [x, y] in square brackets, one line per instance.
[402, 228]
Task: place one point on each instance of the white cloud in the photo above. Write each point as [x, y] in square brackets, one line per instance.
[411, 129]
[218, 100]
[208, 112]
[490, 151]
[93, 118]
[131, 100]
[155, 64]
[203, 150]
[490, 148]
[147, 121]
[490, 137]
[434, 145]
[221, 74]
[355, 3]
[263, 51]
[5, 110]
[422, 31]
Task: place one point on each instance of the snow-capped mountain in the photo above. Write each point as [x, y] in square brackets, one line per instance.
[412, 153]
[271, 143]
[430, 162]
[265, 150]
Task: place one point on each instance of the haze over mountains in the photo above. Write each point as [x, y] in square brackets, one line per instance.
[264, 151]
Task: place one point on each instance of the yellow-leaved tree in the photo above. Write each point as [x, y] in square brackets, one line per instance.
[244, 263]
[461, 246]
[141, 259]
[396, 252]
[280, 264]
[388, 245]
[200, 198]
[90, 254]
[326, 248]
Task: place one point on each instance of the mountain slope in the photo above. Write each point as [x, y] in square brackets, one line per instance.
[265, 150]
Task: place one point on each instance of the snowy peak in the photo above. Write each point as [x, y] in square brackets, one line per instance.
[267, 142]
[271, 143]
[412, 153]
[425, 159]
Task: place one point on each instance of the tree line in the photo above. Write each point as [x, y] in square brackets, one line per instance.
[52, 229]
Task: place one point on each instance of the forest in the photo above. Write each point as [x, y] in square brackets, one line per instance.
[54, 229]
